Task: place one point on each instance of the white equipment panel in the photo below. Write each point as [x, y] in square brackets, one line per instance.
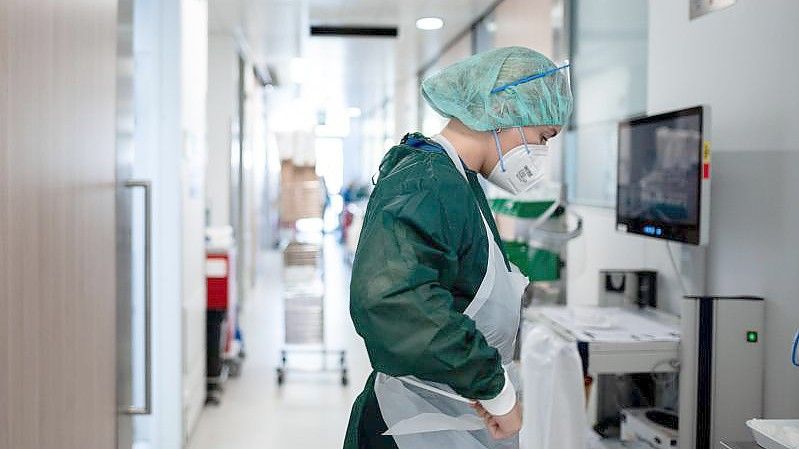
[616, 340]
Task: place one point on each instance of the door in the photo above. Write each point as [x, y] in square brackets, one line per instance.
[57, 230]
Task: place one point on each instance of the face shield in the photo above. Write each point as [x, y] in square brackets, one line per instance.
[522, 167]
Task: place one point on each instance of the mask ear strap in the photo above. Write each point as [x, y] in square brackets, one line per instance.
[524, 140]
[499, 150]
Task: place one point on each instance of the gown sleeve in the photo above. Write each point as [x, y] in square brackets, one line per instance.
[407, 257]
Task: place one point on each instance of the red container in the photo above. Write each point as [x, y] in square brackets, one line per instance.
[218, 280]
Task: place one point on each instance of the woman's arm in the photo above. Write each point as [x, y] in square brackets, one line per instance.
[407, 258]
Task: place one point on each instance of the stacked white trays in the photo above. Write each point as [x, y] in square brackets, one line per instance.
[303, 294]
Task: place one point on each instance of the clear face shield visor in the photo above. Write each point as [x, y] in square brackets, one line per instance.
[522, 167]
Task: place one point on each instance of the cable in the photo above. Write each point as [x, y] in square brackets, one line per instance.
[537, 224]
[677, 270]
[544, 217]
[794, 350]
[673, 363]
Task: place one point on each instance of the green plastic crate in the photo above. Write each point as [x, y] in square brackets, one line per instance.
[536, 264]
[522, 209]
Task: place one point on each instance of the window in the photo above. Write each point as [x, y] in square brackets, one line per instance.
[608, 41]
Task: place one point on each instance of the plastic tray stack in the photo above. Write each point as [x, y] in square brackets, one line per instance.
[299, 254]
[304, 294]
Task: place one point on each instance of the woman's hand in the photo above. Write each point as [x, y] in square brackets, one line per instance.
[501, 427]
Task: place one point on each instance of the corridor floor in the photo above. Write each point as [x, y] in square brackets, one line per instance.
[309, 410]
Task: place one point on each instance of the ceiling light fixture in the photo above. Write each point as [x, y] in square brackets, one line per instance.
[429, 23]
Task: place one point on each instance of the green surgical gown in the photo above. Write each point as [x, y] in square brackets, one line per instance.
[421, 257]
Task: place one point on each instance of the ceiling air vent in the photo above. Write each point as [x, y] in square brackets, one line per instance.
[353, 31]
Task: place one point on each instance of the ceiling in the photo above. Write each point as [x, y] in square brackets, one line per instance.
[351, 72]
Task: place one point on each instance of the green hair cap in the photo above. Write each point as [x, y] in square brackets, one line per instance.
[502, 88]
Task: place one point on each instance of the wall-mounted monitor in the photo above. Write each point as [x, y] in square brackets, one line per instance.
[663, 187]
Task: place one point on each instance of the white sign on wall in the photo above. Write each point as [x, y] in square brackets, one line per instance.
[701, 7]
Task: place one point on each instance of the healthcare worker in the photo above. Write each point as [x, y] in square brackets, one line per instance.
[432, 292]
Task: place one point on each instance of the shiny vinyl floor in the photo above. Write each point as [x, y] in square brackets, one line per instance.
[311, 409]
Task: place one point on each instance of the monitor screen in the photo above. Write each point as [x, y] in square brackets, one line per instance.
[659, 175]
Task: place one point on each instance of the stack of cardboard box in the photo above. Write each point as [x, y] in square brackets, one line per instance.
[301, 193]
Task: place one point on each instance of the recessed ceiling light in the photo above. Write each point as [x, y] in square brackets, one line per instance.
[429, 23]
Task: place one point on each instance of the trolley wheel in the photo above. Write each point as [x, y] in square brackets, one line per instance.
[213, 400]
[234, 368]
[280, 376]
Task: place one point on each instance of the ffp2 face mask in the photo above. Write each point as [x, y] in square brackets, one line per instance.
[521, 168]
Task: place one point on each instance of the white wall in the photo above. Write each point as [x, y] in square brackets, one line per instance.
[739, 62]
[170, 52]
[526, 23]
[253, 166]
[406, 105]
[194, 85]
[601, 247]
[157, 157]
[352, 152]
[222, 97]
[432, 121]
[222, 81]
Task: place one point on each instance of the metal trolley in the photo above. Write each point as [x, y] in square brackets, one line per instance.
[304, 293]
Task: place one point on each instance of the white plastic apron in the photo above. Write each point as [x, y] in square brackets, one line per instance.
[554, 395]
[426, 415]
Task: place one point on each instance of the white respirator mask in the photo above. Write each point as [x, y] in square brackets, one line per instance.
[521, 168]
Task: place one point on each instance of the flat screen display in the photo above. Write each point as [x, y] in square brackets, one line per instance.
[659, 175]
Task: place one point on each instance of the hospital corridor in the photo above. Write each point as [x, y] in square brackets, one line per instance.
[311, 409]
[375, 224]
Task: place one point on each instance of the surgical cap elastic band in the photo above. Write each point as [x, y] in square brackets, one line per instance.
[499, 150]
[524, 140]
[528, 79]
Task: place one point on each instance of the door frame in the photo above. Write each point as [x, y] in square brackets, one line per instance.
[125, 119]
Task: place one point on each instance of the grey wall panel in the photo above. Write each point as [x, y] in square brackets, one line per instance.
[753, 245]
[755, 251]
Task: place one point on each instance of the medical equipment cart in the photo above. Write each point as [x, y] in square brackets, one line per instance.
[612, 341]
[224, 355]
[304, 296]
